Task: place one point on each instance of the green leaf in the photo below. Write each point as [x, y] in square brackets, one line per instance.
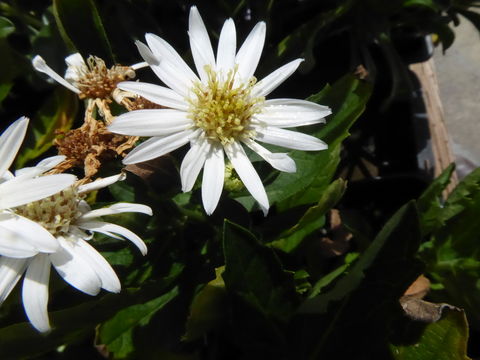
[69, 325]
[4, 91]
[313, 219]
[6, 27]
[399, 239]
[430, 204]
[330, 277]
[365, 298]
[253, 272]
[57, 114]
[117, 332]
[82, 29]
[445, 339]
[207, 309]
[347, 98]
[424, 3]
[452, 255]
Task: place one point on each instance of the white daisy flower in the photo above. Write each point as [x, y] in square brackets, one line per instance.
[55, 230]
[90, 79]
[219, 111]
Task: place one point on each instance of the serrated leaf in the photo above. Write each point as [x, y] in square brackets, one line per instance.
[445, 339]
[312, 220]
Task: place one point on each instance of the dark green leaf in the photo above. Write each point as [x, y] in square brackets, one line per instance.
[6, 27]
[82, 29]
[117, 332]
[56, 115]
[401, 233]
[425, 3]
[347, 98]
[445, 339]
[207, 309]
[312, 220]
[254, 273]
[365, 298]
[430, 204]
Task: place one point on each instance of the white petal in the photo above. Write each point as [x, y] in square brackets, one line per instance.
[18, 233]
[157, 146]
[35, 292]
[113, 229]
[10, 142]
[192, 163]
[151, 122]
[173, 77]
[286, 113]
[40, 65]
[249, 54]
[139, 65]
[102, 268]
[289, 139]
[155, 93]
[200, 44]
[247, 174]
[43, 166]
[117, 208]
[20, 191]
[213, 178]
[227, 46]
[75, 66]
[74, 269]
[162, 50]
[279, 161]
[11, 270]
[101, 183]
[272, 81]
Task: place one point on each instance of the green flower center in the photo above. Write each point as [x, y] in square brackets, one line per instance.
[54, 213]
[222, 110]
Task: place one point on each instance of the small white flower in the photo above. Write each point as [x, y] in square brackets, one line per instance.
[67, 219]
[89, 79]
[217, 111]
[44, 221]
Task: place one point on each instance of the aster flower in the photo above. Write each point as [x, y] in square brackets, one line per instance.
[69, 221]
[90, 79]
[219, 111]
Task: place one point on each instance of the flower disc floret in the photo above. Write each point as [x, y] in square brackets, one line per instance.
[97, 81]
[55, 213]
[222, 109]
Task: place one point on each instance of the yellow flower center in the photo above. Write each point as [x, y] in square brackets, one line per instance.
[54, 213]
[223, 109]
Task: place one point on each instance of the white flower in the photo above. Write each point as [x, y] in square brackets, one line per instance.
[88, 79]
[217, 111]
[66, 217]
[44, 221]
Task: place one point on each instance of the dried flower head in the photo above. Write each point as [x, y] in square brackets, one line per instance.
[91, 79]
[90, 145]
